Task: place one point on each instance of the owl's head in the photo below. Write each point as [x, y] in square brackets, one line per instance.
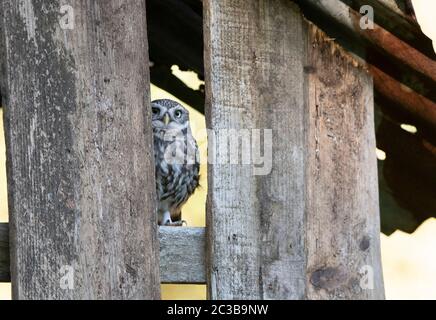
[168, 114]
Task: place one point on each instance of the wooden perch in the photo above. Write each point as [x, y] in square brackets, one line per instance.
[182, 255]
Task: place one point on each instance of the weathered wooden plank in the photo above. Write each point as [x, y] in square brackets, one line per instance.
[342, 211]
[254, 64]
[265, 232]
[79, 150]
[182, 255]
[5, 275]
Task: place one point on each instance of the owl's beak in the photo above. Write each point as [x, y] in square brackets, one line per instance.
[166, 119]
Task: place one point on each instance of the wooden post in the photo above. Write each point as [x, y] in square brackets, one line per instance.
[79, 150]
[342, 209]
[4, 254]
[309, 228]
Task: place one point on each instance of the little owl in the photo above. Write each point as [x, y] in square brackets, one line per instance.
[176, 160]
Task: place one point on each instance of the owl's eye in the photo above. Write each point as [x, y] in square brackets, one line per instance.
[155, 110]
[178, 114]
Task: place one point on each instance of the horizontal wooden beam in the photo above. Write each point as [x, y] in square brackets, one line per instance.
[404, 96]
[405, 12]
[378, 37]
[398, 21]
[182, 254]
[342, 26]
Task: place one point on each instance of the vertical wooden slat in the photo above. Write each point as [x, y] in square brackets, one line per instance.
[254, 79]
[79, 150]
[263, 71]
[342, 221]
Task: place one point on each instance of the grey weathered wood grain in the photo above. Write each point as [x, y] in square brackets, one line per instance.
[254, 60]
[305, 230]
[182, 255]
[79, 151]
[5, 275]
[342, 209]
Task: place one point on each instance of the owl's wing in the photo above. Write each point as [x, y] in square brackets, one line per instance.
[192, 152]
